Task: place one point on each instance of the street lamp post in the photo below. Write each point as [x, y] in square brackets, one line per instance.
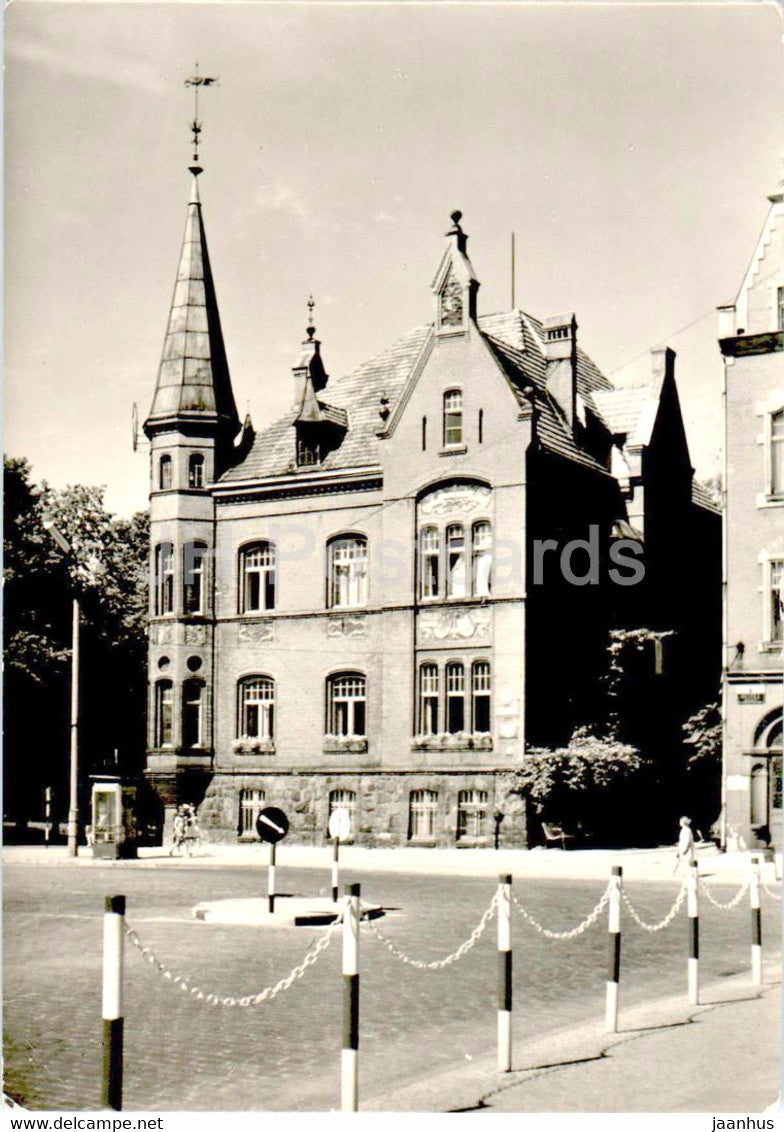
[73, 793]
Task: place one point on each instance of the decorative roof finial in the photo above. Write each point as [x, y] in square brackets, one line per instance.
[311, 327]
[196, 80]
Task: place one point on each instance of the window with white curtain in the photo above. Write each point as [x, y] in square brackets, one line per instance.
[430, 555]
[348, 572]
[422, 811]
[456, 572]
[482, 548]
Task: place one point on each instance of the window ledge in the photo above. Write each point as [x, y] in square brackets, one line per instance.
[771, 646]
[344, 744]
[423, 842]
[246, 746]
[454, 450]
[462, 741]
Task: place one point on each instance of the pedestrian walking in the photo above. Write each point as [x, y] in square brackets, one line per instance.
[685, 851]
[178, 831]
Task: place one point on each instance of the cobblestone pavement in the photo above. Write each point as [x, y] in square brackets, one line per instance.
[284, 1055]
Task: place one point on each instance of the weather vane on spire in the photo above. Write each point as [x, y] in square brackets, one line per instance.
[196, 80]
[311, 327]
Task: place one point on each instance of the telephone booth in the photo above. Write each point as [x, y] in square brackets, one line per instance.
[112, 833]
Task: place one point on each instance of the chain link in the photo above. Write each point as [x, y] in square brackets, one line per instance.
[230, 1000]
[590, 919]
[673, 912]
[718, 903]
[773, 895]
[438, 964]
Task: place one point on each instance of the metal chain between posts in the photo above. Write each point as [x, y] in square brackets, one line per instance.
[771, 894]
[265, 995]
[718, 903]
[590, 919]
[673, 912]
[438, 964]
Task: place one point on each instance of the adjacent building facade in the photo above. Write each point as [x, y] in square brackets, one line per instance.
[377, 603]
[751, 332]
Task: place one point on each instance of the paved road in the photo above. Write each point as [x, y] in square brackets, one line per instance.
[285, 1055]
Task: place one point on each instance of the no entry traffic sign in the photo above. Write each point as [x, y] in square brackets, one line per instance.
[272, 825]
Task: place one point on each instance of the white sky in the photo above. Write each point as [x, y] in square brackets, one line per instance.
[629, 147]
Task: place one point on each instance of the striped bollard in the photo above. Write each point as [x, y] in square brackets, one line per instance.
[693, 910]
[271, 879]
[349, 1080]
[335, 868]
[614, 974]
[756, 923]
[113, 944]
[504, 974]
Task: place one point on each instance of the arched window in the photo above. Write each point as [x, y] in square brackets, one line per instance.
[192, 692]
[453, 418]
[456, 573]
[196, 470]
[482, 546]
[759, 795]
[428, 699]
[455, 697]
[257, 577]
[429, 554]
[422, 810]
[348, 572]
[256, 708]
[346, 704]
[471, 814]
[165, 472]
[251, 804]
[480, 697]
[164, 701]
[344, 800]
[164, 578]
[193, 559]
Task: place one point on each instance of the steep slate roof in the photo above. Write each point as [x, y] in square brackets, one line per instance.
[701, 497]
[515, 340]
[630, 411]
[193, 377]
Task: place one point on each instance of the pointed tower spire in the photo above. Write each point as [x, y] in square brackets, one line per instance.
[193, 377]
[310, 377]
[455, 285]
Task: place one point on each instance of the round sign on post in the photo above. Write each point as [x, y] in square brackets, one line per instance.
[340, 824]
[272, 825]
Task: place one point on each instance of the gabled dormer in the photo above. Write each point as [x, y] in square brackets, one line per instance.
[455, 286]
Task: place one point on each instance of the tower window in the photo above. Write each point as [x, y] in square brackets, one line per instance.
[192, 713]
[194, 554]
[348, 572]
[453, 417]
[257, 577]
[164, 700]
[346, 704]
[164, 578]
[165, 473]
[196, 471]
[256, 715]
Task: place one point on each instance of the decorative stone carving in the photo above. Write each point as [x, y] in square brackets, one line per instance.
[456, 499]
[452, 302]
[161, 634]
[453, 624]
[255, 633]
[195, 634]
[346, 627]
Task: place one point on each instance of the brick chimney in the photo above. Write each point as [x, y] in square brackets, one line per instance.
[560, 350]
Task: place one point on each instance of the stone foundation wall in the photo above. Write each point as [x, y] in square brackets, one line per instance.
[382, 806]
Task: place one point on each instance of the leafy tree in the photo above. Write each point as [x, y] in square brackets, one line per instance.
[107, 571]
[703, 741]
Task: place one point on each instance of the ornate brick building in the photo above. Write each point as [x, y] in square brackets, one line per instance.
[751, 332]
[352, 607]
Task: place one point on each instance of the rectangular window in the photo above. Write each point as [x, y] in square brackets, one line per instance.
[776, 599]
[191, 714]
[251, 804]
[258, 578]
[471, 814]
[164, 699]
[196, 471]
[164, 578]
[423, 807]
[456, 573]
[455, 698]
[165, 473]
[483, 559]
[257, 708]
[346, 696]
[480, 690]
[430, 555]
[780, 308]
[348, 573]
[428, 699]
[453, 418]
[777, 453]
[193, 577]
[343, 800]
